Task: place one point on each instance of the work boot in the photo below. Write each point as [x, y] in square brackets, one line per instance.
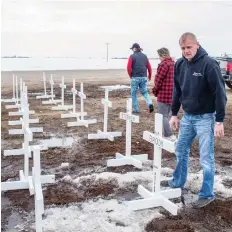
[202, 202]
[151, 108]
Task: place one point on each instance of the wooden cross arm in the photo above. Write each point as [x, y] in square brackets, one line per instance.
[159, 141]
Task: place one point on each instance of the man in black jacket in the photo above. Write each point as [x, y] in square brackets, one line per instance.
[199, 87]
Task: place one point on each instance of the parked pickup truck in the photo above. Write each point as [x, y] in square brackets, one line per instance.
[225, 63]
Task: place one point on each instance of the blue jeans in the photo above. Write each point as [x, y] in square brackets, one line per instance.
[139, 83]
[191, 126]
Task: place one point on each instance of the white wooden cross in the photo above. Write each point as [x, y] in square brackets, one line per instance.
[62, 106]
[13, 99]
[25, 120]
[105, 134]
[81, 121]
[52, 100]
[34, 184]
[25, 150]
[73, 113]
[16, 99]
[46, 96]
[157, 197]
[22, 104]
[128, 159]
[20, 111]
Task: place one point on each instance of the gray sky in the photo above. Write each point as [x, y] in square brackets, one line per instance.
[81, 28]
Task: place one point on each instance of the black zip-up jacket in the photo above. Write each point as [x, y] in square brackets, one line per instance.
[199, 86]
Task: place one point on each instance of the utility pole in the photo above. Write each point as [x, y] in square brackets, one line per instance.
[107, 51]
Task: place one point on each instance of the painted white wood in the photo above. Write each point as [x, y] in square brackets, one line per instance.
[57, 142]
[50, 101]
[46, 96]
[18, 122]
[128, 159]
[157, 197]
[80, 120]
[62, 106]
[115, 87]
[105, 134]
[20, 113]
[34, 185]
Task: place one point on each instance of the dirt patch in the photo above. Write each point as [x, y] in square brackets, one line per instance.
[215, 217]
[167, 225]
[21, 199]
[5, 213]
[89, 154]
[64, 193]
[123, 169]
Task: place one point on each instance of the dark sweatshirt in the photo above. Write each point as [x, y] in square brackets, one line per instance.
[199, 86]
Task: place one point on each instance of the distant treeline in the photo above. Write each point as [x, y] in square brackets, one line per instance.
[15, 56]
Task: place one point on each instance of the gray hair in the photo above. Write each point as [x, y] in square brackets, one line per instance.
[163, 52]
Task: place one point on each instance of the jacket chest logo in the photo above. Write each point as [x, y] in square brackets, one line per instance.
[197, 74]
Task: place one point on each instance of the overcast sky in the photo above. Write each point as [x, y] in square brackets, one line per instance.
[77, 28]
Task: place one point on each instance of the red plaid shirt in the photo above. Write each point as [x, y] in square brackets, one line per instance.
[164, 81]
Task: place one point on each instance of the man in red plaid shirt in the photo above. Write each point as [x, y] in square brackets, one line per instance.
[163, 89]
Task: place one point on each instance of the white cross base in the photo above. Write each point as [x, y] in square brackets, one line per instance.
[57, 142]
[20, 113]
[135, 160]
[51, 102]
[128, 159]
[74, 115]
[21, 131]
[156, 200]
[20, 122]
[12, 100]
[22, 151]
[24, 183]
[83, 122]
[157, 197]
[64, 107]
[45, 96]
[16, 106]
[105, 135]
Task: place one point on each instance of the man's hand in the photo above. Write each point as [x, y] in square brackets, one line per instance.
[219, 130]
[174, 123]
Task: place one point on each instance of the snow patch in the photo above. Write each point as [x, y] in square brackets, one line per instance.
[100, 216]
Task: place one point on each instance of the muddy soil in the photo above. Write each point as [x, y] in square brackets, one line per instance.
[89, 156]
